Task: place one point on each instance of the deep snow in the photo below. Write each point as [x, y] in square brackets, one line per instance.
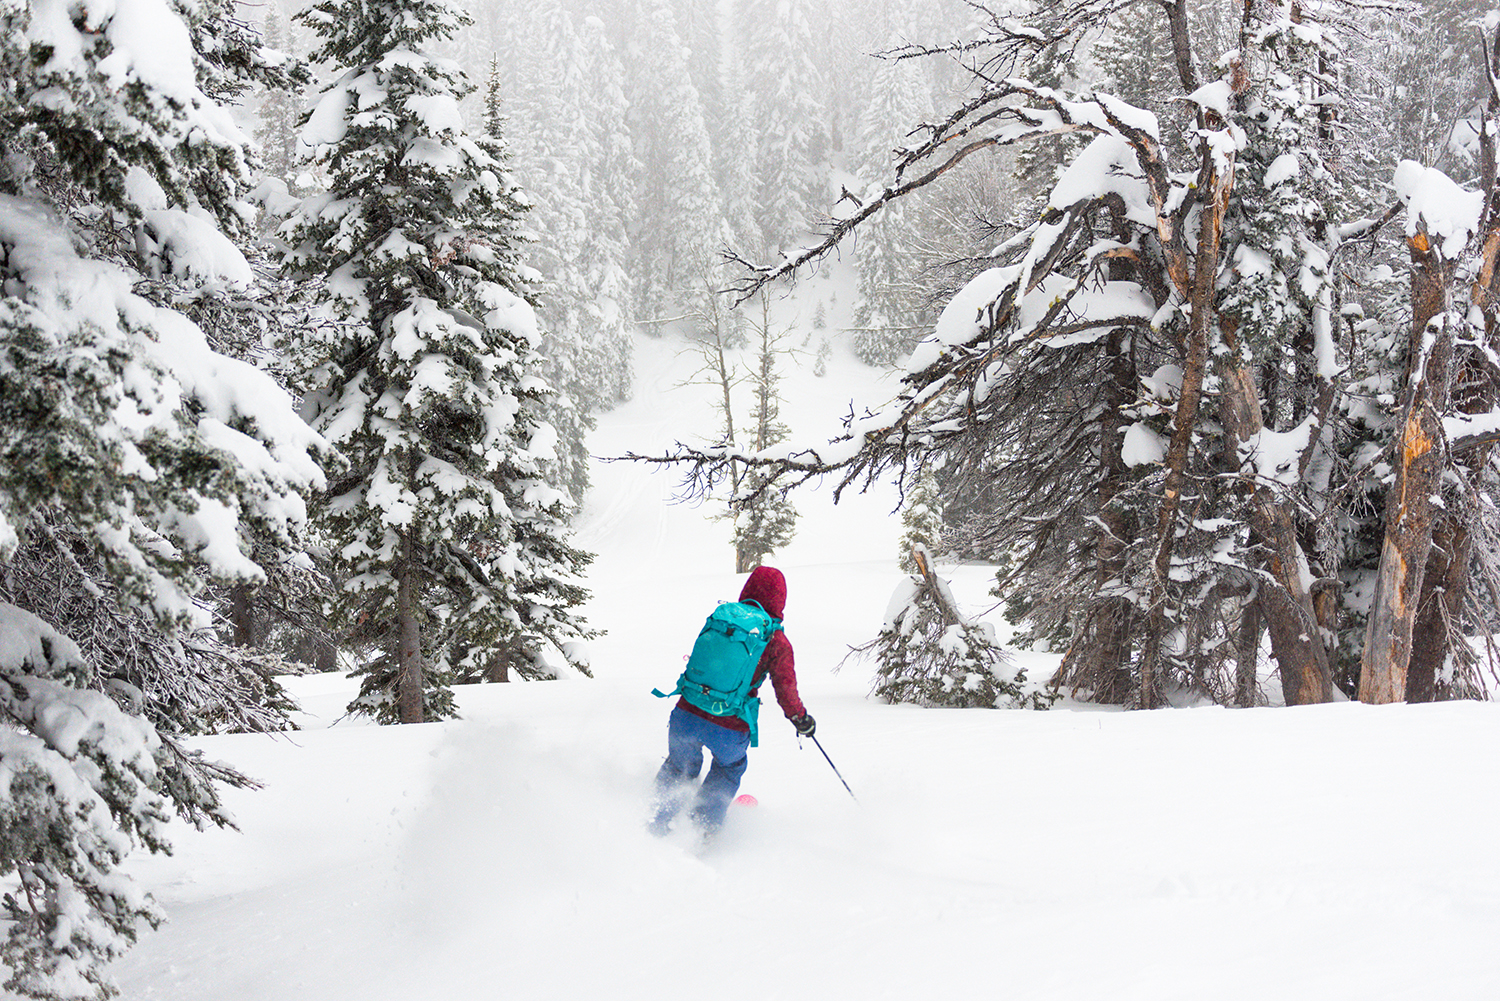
[1331, 852]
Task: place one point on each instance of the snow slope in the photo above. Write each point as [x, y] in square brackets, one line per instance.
[1331, 852]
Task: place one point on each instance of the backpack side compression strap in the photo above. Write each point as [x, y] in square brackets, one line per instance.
[749, 707]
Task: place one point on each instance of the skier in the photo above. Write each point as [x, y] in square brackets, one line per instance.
[727, 738]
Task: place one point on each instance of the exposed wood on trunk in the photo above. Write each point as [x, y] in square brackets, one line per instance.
[1185, 421]
[1412, 503]
[935, 588]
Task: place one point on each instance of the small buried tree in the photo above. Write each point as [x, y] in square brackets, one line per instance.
[931, 654]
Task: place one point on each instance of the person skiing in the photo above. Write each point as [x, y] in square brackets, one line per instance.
[691, 730]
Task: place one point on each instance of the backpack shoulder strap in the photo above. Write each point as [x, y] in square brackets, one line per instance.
[775, 622]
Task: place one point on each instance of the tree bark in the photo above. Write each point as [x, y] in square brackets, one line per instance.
[1247, 655]
[242, 616]
[1182, 44]
[1296, 639]
[1199, 291]
[1099, 658]
[1412, 504]
[408, 640]
[1112, 625]
[1184, 421]
[1444, 585]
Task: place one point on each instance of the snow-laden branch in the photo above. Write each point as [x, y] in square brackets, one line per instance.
[984, 122]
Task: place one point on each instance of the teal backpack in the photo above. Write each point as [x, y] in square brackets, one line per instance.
[722, 665]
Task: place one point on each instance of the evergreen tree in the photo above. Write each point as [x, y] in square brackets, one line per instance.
[445, 523]
[675, 255]
[136, 462]
[278, 113]
[931, 654]
[611, 212]
[766, 521]
[737, 154]
[889, 319]
[555, 171]
[786, 117]
[1038, 165]
[921, 519]
[494, 103]
[699, 25]
[576, 171]
[1135, 59]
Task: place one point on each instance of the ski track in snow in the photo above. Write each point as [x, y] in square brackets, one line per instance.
[1330, 852]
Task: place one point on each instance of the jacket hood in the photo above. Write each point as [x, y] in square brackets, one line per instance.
[767, 587]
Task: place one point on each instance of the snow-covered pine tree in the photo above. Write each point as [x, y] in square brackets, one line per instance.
[700, 25]
[452, 537]
[1135, 59]
[81, 789]
[136, 462]
[610, 208]
[555, 171]
[575, 167]
[494, 102]
[678, 191]
[789, 123]
[736, 152]
[766, 521]
[921, 519]
[1038, 165]
[931, 654]
[278, 112]
[891, 316]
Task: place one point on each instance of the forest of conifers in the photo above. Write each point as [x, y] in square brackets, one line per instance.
[306, 315]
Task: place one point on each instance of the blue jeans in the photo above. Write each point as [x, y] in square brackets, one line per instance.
[687, 737]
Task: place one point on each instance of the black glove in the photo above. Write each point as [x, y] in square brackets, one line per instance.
[804, 724]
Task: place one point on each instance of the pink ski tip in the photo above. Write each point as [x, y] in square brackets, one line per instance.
[745, 799]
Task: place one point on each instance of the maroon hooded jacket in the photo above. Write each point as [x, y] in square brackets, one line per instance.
[767, 587]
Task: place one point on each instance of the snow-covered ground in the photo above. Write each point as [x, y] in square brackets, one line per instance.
[1331, 852]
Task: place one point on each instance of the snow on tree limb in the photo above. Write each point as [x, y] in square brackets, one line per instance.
[79, 779]
[931, 654]
[984, 122]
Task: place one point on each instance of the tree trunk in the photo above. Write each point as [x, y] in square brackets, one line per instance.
[1444, 586]
[1185, 420]
[1199, 288]
[1099, 659]
[1182, 44]
[1296, 639]
[1247, 655]
[408, 641]
[1411, 504]
[242, 616]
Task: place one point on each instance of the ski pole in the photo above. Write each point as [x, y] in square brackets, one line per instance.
[834, 767]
